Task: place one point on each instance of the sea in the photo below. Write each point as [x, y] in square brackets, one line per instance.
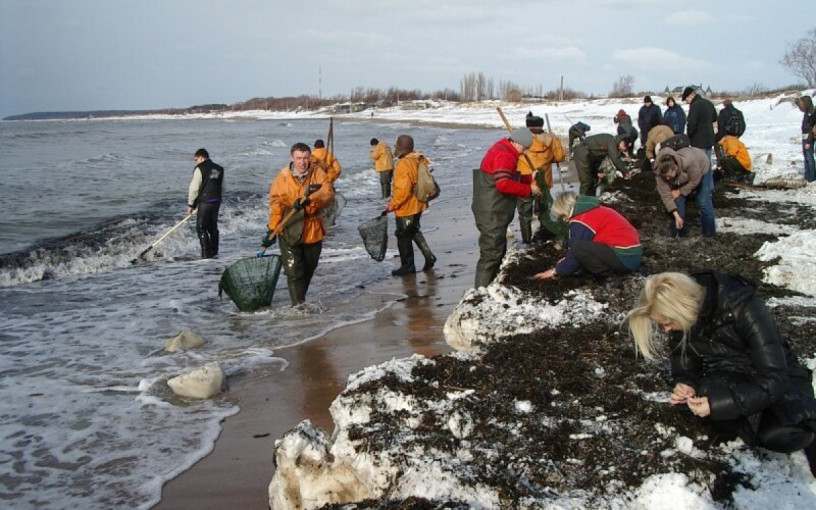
[88, 420]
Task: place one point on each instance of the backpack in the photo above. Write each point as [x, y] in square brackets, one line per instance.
[426, 188]
[735, 125]
[675, 142]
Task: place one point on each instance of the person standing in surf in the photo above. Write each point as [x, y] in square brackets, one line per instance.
[204, 195]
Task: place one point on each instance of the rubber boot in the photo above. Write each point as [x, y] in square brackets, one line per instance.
[422, 244]
[406, 251]
[526, 232]
[297, 292]
[214, 239]
[810, 453]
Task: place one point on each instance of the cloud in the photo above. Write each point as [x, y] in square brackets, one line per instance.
[659, 58]
[689, 18]
[549, 53]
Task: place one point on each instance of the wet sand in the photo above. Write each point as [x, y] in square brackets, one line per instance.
[238, 471]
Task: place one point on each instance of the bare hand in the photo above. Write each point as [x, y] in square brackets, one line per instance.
[675, 193]
[545, 275]
[535, 190]
[681, 394]
[678, 220]
[699, 406]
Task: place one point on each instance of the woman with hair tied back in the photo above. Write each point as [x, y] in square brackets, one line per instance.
[729, 362]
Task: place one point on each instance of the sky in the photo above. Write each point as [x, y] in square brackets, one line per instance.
[67, 55]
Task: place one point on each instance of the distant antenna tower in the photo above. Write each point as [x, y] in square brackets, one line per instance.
[320, 82]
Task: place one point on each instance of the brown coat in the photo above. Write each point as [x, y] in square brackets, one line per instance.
[657, 134]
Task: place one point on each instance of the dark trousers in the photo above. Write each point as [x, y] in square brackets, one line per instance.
[385, 182]
[299, 264]
[207, 229]
[598, 259]
[406, 230]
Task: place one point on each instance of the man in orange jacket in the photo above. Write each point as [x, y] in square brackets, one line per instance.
[407, 208]
[305, 188]
[324, 158]
[383, 164]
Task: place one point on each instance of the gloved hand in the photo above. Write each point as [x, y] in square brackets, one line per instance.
[303, 202]
[261, 253]
[269, 239]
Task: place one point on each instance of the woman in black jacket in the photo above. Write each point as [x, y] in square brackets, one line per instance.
[729, 361]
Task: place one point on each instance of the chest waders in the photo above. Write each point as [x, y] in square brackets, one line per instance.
[493, 212]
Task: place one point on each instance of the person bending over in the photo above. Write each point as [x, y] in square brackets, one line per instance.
[730, 364]
[601, 241]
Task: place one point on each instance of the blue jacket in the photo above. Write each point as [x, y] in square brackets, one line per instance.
[675, 117]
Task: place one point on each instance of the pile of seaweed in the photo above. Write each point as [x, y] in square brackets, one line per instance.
[573, 411]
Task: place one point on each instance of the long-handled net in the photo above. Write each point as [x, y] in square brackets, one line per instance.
[375, 236]
[250, 283]
[332, 212]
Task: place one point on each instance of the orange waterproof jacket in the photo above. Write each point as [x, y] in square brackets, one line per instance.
[405, 178]
[286, 189]
[325, 159]
[383, 157]
[732, 146]
[546, 150]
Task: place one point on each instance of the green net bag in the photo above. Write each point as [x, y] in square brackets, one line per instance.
[250, 283]
[375, 236]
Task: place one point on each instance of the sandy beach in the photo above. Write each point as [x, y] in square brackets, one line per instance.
[236, 474]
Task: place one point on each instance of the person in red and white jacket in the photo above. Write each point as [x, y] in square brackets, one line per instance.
[601, 240]
[497, 186]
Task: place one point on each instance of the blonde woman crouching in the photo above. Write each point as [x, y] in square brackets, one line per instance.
[729, 362]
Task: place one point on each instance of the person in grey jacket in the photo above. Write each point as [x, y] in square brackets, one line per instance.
[679, 174]
[730, 365]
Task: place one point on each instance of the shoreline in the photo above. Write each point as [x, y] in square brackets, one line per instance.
[237, 472]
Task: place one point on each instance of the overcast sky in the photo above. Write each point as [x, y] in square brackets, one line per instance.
[63, 55]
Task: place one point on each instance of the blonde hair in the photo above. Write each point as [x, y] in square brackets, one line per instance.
[563, 205]
[675, 296]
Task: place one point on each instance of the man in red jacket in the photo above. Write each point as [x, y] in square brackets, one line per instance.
[497, 185]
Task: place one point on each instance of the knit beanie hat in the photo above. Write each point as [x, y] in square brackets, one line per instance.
[523, 137]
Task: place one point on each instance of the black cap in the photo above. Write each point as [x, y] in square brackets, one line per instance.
[686, 93]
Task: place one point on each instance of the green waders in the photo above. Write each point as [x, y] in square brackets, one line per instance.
[493, 212]
[544, 203]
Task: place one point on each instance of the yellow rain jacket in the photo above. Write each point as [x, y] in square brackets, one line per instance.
[546, 150]
[405, 177]
[383, 157]
[325, 159]
[286, 189]
[732, 146]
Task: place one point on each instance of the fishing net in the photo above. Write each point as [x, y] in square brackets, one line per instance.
[250, 283]
[375, 236]
[332, 212]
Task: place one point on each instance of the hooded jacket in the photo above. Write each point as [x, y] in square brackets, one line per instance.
[405, 178]
[732, 146]
[286, 189]
[591, 221]
[736, 356]
[327, 161]
[546, 150]
[383, 157]
[805, 104]
[692, 165]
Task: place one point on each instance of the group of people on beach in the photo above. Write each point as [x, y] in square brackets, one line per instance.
[729, 362]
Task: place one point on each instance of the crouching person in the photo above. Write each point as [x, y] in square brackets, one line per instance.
[735, 160]
[730, 365]
[601, 241]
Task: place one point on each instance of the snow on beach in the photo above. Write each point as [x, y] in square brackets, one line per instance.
[314, 468]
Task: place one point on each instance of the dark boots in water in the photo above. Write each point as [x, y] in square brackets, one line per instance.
[297, 292]
[422, 244]
[406, 252]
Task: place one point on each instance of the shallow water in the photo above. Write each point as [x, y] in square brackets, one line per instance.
[88, 419]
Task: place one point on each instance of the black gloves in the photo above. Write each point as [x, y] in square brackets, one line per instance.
[269, 239]
[303, 202]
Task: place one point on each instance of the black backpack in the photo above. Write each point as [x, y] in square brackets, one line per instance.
[735, 125]
[676, 142]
